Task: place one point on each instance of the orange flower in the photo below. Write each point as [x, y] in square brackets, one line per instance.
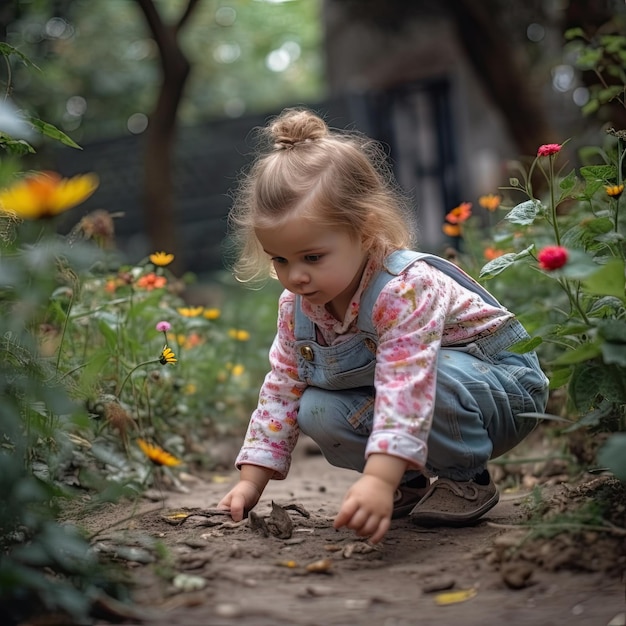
[452, 230]
[490, 201]
[151, 281]
[615, 191]
[460, 214]
[492, 253]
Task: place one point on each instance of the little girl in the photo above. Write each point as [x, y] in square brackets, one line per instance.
[394, 362]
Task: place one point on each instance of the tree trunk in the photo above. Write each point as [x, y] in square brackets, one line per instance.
[503, 74]
[160, 220]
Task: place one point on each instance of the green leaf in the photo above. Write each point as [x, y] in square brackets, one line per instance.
[574, 33]
[524, 213]
[612, 455]
[598, 172]
[614, 353]
[608, 94]
[499, 264]
[7, 50]
[608, 280]
[53, 132]
[16, 147]
[591, 107]
[613, 330]
[560, 377]
[568, 183]
[526, 345]
[585, 352]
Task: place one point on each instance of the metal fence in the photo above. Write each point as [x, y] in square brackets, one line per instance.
[414, 123]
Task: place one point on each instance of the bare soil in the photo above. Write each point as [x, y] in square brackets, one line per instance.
[193, 566]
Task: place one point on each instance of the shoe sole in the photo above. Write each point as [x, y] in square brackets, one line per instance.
[438, 518]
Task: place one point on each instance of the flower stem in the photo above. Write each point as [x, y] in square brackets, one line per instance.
[555, 224]
[119, 393]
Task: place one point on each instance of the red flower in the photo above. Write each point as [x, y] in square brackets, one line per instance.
[552, 258]
[549, 149]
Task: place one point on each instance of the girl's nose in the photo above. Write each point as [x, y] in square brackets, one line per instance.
[298, 275]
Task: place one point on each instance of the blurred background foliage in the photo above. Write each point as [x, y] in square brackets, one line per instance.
[100, 63]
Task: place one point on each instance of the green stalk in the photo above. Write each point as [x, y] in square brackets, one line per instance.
[555, 224]
[119, 393]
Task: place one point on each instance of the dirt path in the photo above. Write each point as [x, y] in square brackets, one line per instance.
[219, 573]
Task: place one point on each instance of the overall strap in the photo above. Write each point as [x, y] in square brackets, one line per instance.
[395, 264]
[304, 328]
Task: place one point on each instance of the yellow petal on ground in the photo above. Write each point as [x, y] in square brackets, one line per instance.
[221, 479]
[453, 597]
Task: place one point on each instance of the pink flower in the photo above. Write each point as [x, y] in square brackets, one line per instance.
[549, 149]
[552, 257]
[163, 327]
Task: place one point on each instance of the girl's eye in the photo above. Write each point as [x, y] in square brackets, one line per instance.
[312, 258]
[279, 260]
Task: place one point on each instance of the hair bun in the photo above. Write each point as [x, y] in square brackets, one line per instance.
[296, 126]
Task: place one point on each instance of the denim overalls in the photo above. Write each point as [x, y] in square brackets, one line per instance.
[481, 387]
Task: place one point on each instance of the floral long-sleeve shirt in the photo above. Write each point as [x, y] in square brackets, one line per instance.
[416, 313]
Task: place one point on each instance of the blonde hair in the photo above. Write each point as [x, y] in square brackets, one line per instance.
[338, 179]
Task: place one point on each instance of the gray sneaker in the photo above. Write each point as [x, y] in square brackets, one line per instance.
[450, 503]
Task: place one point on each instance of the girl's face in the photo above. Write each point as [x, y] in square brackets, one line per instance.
[322, 265]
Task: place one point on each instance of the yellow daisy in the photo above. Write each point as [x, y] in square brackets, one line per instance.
[46, 194]
[167, 356]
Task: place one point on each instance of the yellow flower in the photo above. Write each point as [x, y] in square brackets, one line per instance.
[161, 258]
[190, 389]
[615, 191]
[190, 311]
[239, 335]
[238, 370]
[212, 314]
[157, 455]
[167, 356]
[490, 201]
[45, 194]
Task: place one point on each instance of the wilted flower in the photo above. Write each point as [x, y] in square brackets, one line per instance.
[167, 356]
[157, 455]
[46, 194]
[460, 214]
[161, 258]
[615, 191]
[548, 149]
[490, 201]
[552, 257]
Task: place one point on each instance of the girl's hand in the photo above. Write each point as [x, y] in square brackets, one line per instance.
[367, 508]
[240, 499]
[246, 493]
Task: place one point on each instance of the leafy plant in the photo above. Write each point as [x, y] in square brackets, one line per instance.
[565, 246]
